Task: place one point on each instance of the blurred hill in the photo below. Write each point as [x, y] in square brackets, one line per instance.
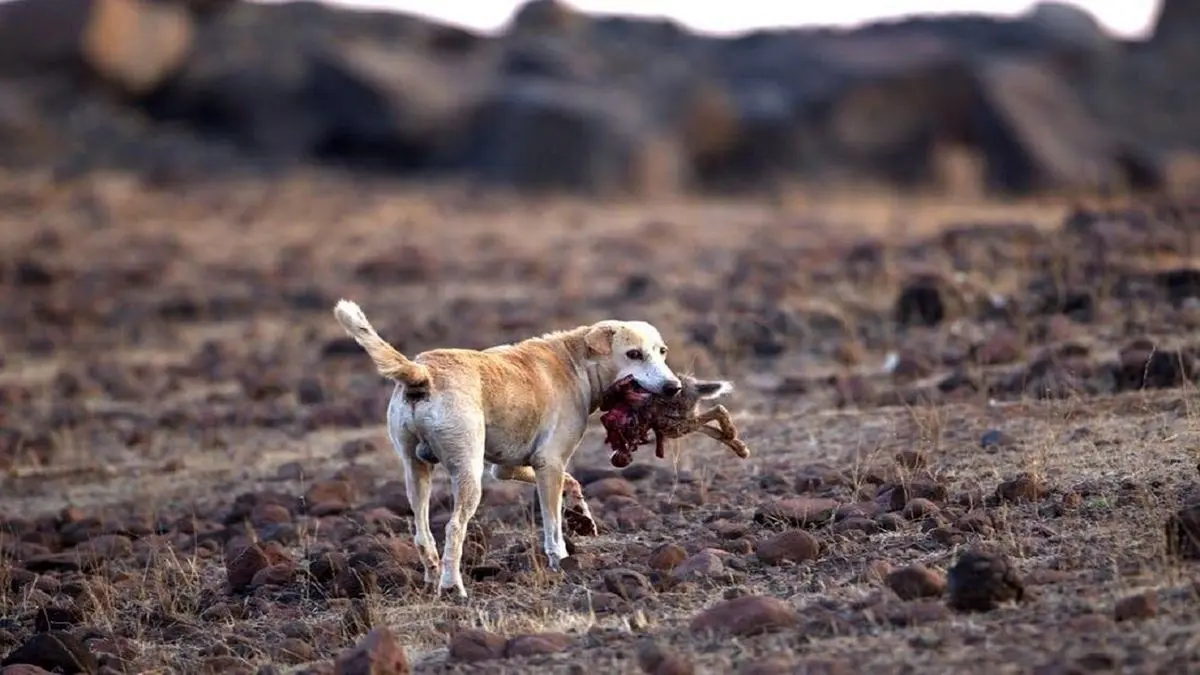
[604, 106]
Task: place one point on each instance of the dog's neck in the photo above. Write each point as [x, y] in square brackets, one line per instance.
[595, 380]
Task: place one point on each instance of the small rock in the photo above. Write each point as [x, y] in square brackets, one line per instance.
[358, 618]
[921, 302]
[809, 478]
[865, 509]
[994, 438]
[704, 565]
[225, 664]
[1089, 624]
[103, 548]
[919, 508]
[379, 653]
[605, 488]
[326, 566]
[947, 536]
[912, 459]
[876, 572]
[357, 447]
[294, 651]
[653, 659]
[1001, 348]
[242, 562]
[274, 575]
[1183, 533]
[781, 665]
[56, 651]
[1136, 607]
[747, 615]
[266, 514]
[907, 366]
[1071, 500]
[1024, 487]
[916, 581]
[793, 545]
[309, 391]
[666, 557]
[329, 497]
[908, 614]
[46, 619]
[291, 471]
[899, 495]
[537, 643]
[22, 669]
[628, 584]
[470, 646]
[797, 511]
[859, 525]
[980, 580]
[977, 522]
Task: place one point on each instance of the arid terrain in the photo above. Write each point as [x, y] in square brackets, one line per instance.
[970, 425]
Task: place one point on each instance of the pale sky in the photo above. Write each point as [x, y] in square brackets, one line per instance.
[1127, 18]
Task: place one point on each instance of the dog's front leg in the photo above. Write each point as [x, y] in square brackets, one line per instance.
[550, 480]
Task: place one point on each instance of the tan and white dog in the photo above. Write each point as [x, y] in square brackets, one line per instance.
[521, 408]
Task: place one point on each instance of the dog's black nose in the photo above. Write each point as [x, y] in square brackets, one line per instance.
[672, 388]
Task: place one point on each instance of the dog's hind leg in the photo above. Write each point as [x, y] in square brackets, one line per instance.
[572, 490]
[461, 449]
[418, 484]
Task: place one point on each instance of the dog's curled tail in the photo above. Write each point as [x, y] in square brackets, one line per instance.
[390, 362]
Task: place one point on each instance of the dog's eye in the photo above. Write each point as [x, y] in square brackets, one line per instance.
[662, 350]
[634, 354]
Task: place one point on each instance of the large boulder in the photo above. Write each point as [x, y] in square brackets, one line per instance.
[133, 44]
[290, 84]
[547, 136]
[1048, 140]
[1070, 27]
[1177, 24]
[908, 102]
[898, 95]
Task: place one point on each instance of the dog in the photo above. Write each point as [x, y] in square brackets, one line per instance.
[521, 408]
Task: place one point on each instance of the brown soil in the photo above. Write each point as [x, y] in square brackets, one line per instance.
[196, 477]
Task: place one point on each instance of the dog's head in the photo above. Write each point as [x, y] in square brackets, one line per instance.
[634, 348]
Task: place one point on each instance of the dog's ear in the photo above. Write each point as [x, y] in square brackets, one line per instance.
[599, 340]
[714, 389]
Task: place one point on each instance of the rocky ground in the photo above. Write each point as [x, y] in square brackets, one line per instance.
[972, 434]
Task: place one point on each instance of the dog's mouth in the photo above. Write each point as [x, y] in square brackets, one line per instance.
[630, 389]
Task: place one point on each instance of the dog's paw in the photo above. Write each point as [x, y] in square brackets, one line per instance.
[454, 592]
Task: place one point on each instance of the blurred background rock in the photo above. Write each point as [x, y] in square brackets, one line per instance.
[604, 106]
